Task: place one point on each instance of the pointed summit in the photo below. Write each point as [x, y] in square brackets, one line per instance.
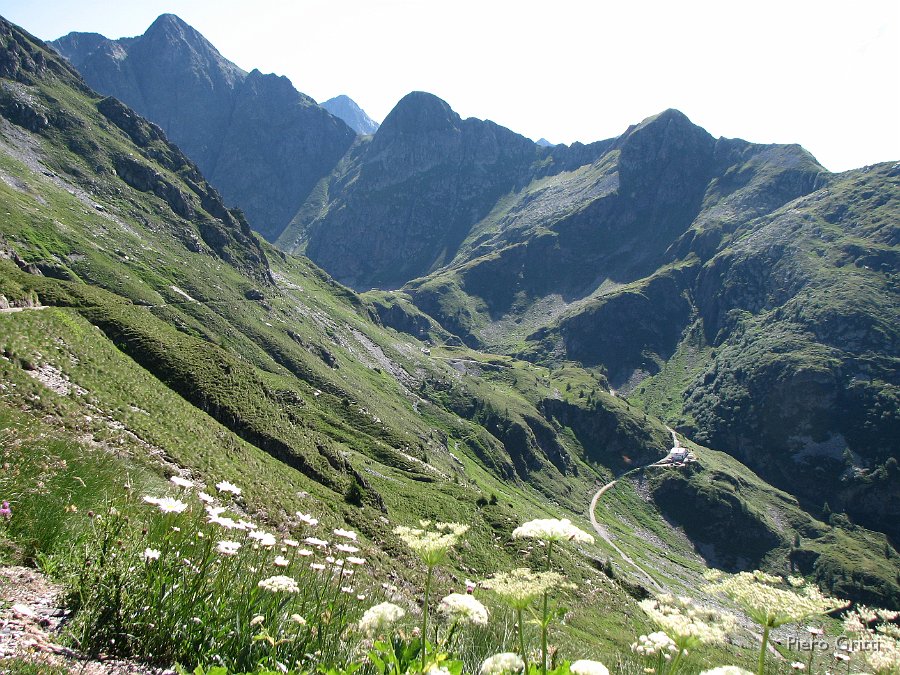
[420, 112]
[356, 118]
[262, 143]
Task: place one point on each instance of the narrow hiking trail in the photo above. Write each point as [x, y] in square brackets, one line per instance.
[602, 531]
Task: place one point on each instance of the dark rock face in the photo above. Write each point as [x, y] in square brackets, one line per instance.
[263, 144]
[421, 183]
[356, 118]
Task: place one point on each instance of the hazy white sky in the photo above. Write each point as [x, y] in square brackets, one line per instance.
[820, 73]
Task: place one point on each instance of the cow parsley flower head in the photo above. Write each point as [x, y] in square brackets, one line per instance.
[588, 667]
[653, 644]
[379, 617]
[432, 546]
[885, 659]
[520, 587]
[462, 608]
[506, 662]
[551, 529]
[770, 602]
[687, 623]
[279, 584]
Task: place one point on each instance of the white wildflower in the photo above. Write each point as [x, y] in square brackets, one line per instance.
[346, 548]
[279, 584]
[169, 505]
[379, 617]
[293, 543]
[726, 670]
[203, 497]
[432, 546]
[228, 547]
[263, 538]
[498, 664]
[769, 602]
[308, 519]
[687, 623]
[522, 586]
[653, 644]
[281, 561]
[151, 554]
[551, 529]
[588, 667]
[225, 486]
[464, 608]
[356, 561]
[312, 541]
[226, 522]
[181, 482]
[346, 534]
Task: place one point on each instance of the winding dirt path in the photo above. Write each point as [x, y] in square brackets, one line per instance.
[604, 533]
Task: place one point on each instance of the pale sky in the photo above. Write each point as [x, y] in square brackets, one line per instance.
[820, 73]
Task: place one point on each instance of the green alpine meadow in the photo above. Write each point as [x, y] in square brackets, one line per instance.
[308, 394]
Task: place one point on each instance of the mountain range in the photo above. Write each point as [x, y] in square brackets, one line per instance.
[738, 290]
[244, 130]
[456, 323]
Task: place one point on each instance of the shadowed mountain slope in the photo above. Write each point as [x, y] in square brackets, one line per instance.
[262, 143]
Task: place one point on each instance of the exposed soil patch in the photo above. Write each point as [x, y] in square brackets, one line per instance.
[30, 624]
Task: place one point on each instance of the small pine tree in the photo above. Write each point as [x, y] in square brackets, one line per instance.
[355, 494]
[826, 511]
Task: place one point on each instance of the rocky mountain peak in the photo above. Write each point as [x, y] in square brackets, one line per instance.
[175, 43]
[419, 112]
[346, 108]
[666, 152]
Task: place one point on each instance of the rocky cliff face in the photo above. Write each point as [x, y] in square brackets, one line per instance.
[263, 144]
[356, 118]
[417, 188]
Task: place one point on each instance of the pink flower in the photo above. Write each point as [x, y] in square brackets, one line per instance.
[5, 511]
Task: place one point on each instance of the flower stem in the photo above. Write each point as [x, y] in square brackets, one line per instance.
[545, 619]
[762, 651]
[544, 623]
[522, 640]
[425, 617]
